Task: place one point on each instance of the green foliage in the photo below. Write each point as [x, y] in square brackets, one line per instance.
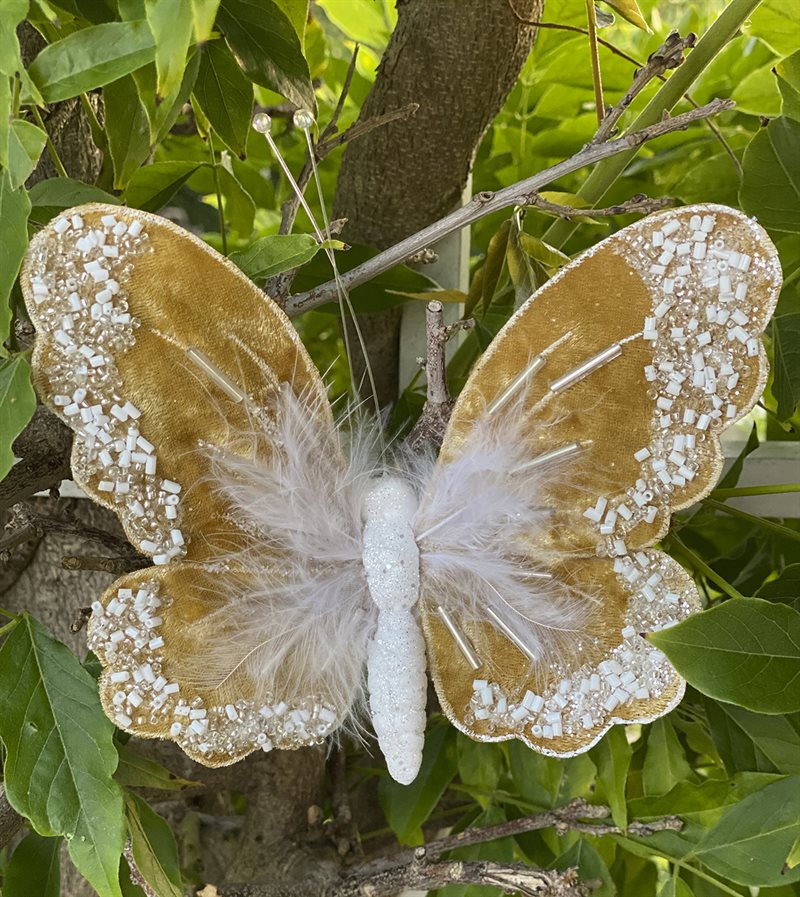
[745, 652]
[727, 760]
[34, 868]
[60, 756]
[17, 404]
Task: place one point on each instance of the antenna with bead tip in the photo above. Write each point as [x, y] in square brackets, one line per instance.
[304, 120]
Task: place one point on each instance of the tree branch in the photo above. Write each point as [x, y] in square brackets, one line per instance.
[429, 429]
[10, 820]
[668, 56]
[639, 203]
[486, 203]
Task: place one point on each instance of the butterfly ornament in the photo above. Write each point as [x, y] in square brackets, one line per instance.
[304, 576]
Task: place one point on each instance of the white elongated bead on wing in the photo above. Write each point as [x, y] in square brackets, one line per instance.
[396, 658]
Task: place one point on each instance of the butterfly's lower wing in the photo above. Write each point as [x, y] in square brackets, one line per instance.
[639, 353]
[153, 631]
[120, 299]
[182, 382]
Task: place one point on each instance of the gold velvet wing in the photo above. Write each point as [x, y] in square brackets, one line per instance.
[618, 377]
[161, 355]
[151, 345]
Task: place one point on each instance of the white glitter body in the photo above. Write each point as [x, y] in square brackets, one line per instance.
[396, 675]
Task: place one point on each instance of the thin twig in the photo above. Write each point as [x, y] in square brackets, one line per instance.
[429, 429]
[332, 126]
[116, 566]
[136, 876]
[487, 202]
[668, 56]
[597, 78]
[639, 203]
[612, 48]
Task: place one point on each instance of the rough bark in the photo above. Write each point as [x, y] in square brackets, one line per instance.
[459, 60]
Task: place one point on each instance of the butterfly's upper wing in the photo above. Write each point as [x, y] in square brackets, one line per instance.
[674, 305]
[182, 382]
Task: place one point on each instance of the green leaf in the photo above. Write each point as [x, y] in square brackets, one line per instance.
[268, 48]
[172, 26]
[49, 198]
[665, 762]
[585, 858]
[127, 128]
[163, 113]
[297, 13]
[629, 10]
[408, 806]
[731, 478]
[787, 72]
[14, 209]
[154, 847]
[240, 210]
[771, 181]
[17, 404]
[785, 587]
[204, 12]
[12, 12]
[749, 845]
[26, 142]
[754, 741]
[274, 254]
[612, 757]
[60, 752]
[745, 651]
[786, 366]
[775, 23]
[225, 95]
[675, 887]
[793, 859]
[136, 771]
[479, 765]
[545, 781]
[153, 186]
[92, 57]
[34, 868]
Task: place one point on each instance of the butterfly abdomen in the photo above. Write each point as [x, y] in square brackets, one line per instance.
[396, 657]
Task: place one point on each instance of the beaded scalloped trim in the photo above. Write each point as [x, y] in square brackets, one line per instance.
[589, 699]
[126, 637]
[701, 344]
[77, 276]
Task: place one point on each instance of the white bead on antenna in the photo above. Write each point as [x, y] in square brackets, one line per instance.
[303, 119]
[262, 123]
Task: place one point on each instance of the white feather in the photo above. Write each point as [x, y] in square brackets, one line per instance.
[298, 617]
[482, 515]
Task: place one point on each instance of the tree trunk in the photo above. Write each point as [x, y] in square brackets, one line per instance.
[458, 59]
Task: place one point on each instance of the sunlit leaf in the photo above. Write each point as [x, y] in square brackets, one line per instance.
[274, 254]
[749, 845]
[60, 755]
[225, 95]
[268, 48]
[204, 12]
[787, 72]
[127, 128]
[152, 186]
[92, 57]
[172, 26]
[745, 651]
[629, 10]
[26, 142]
